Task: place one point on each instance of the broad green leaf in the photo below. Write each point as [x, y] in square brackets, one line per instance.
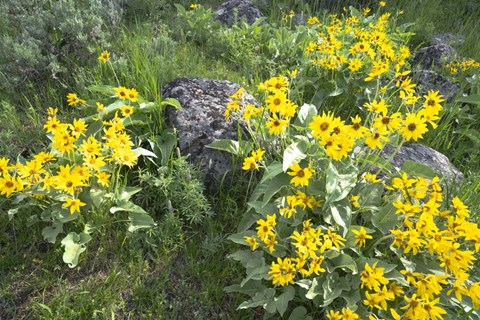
[140, 220]
[272, 170]
[342, 261]
[248, 219]
[352, 297]
[172, 102]
[11, 213]
[74, 245]
[473, 99]
[385, 219]
[250, 288]
[114, 106]
[338, 185]
[239, 237]
[315, 288]
[342, 214]
[144, 152]
[304, 283]
[93, 128]
[275, 185]
[127, 206]
[63, 215]
[336, 92]
[305, 114]
[256, 273]
[333, 287]
[50, 233]
[165, 143]
[97, 196]
[248, 258]
[371, 195]
[417, 169]
[294, 153]
[259, 299]
[227, 145]
[261, 208]
[281, 302]
[126, 193]
[299, 313]
[103, 89]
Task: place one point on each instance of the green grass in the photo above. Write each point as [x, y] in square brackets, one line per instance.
[176, 270]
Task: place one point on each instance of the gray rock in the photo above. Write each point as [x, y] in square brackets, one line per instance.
[202, 121]
[448, 38]
[429, 80]
[433, 56]
[424, 155]
[233, 10]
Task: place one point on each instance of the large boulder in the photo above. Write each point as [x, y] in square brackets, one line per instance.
[202, 121]
[430, 80]
[449, 38]
[424, 155]
[235, 10]
[434, 56]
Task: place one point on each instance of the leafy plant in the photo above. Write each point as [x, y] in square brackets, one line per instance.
[327, 238]
[80, 180]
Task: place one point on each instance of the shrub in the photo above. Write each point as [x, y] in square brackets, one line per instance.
[49, 39]
[79, 185]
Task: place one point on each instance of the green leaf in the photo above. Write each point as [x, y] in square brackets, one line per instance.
[338, 185]
[371, 195]
[11, 213]
[385, 219]
[473, 99]
[342, 214]
[126, 193]
[165, 143]
[144, 152]
[305, 114]
[336, 92]
[275, 185]
[114, 106]
[239, 237]
[299, 313]
[417, 169]
[272, 170]
[227, 145]
[259, 299]
[50, 233]
[281, 303]
[333, 287]
[294, 153]
[140, 220]
[248, 258]
[104, 89]
[97, 196]
[255, 273]
[315, 288]
[93, 128]
[250, 288]
[342, 261]
[74, 245]
[172, 102]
